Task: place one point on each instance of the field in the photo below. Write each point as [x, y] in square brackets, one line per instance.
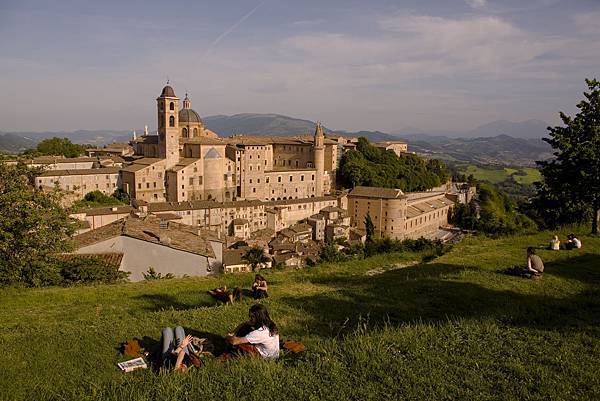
[523, 175]
[454, 328]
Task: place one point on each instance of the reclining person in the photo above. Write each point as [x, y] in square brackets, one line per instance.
[258, 336]
[175, 346]
[225, 295]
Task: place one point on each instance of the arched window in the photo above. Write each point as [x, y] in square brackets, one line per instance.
[195, 132]
[171, 121]
[171, 106]
[184, 133]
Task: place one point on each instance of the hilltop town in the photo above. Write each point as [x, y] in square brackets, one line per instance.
[202, 200]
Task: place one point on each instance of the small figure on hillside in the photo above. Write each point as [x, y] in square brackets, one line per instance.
[259, 287]
[554, 244]
[573, 242]
[225, 295]
[177, 350]
[535, 266]
[258, 336]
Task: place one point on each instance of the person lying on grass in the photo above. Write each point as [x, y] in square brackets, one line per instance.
[225, 295]
[176, 348]
[259, 287]
[258, 336]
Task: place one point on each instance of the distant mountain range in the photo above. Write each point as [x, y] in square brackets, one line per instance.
[499, 142]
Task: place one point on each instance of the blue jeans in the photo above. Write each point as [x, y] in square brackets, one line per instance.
[170, 339]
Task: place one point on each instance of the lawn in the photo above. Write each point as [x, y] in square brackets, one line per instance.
[454, 328]
[523, 175]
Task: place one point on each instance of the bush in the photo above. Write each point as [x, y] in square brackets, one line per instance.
[87, 270]
[152, 274]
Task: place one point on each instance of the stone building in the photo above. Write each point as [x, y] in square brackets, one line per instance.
[397, 215]
[81, 181]
[398, 147]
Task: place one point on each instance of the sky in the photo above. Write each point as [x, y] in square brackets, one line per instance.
[443, 65]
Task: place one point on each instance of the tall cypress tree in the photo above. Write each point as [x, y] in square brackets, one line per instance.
[573, 176]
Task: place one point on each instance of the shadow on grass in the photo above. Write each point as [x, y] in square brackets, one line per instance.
[158, 302]
[422, 294]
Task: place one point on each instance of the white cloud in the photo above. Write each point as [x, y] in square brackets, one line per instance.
[476, 3]
[588, 22]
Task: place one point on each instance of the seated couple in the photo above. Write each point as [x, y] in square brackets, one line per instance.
[572, 243]
[259, 291]
[258, 336]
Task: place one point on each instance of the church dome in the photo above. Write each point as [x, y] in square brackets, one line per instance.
[189, 116]
[167, 92]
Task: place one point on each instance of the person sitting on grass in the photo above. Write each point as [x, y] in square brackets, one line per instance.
[258, 336]
[535, 266]
[175, 347]
[573, 242]
[225, 295]
[259, 287]
[554, 244]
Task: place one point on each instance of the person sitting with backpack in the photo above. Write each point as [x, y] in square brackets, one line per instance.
[535, 265]
[258, 336]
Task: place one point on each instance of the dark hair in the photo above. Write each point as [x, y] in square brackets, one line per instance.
[530, 251]
[259, 277]
[259, 317]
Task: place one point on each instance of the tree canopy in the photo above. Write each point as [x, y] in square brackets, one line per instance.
[372, 166]
[570, 190]
[56, 147]
[34, 227]
[256, 257]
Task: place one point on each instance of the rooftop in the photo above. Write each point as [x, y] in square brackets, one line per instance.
[178, 236]
[377, 192]
[87, 171]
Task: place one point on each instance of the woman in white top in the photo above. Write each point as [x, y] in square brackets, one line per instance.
[258, 336]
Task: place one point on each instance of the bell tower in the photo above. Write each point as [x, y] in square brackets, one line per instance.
[319, 151]
[168, 126]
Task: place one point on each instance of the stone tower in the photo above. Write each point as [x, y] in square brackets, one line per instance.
[319, 159]
[168, 126]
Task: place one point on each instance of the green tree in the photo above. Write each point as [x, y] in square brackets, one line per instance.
[255, 257]
[369, 227]
[57, 147]
[572, 178]
[34, 226]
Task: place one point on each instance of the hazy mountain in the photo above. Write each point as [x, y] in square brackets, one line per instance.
[258, 124]
[500, 150]
[499, 142]
[524, 129]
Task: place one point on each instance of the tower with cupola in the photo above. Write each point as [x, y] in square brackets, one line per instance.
[168, 126]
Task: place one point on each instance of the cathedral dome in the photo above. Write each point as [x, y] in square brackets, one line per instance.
[189, 116]
[167, 92]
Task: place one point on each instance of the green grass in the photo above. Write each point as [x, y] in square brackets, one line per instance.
[499, 174]
[451, 329]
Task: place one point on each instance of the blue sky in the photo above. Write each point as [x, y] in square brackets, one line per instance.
[376, 65]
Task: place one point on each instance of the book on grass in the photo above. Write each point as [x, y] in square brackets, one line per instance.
[132, 364]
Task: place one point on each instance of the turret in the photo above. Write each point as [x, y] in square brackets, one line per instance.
[319, 151]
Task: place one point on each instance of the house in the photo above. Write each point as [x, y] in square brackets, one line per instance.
[148, 241]
[233, 261]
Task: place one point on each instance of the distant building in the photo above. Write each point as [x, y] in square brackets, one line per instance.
[82, 181]
[398, 147]
[397, 215]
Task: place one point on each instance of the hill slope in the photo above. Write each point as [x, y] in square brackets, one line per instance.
[451, 329]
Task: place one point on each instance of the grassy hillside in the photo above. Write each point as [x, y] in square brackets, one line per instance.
[452, 329]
